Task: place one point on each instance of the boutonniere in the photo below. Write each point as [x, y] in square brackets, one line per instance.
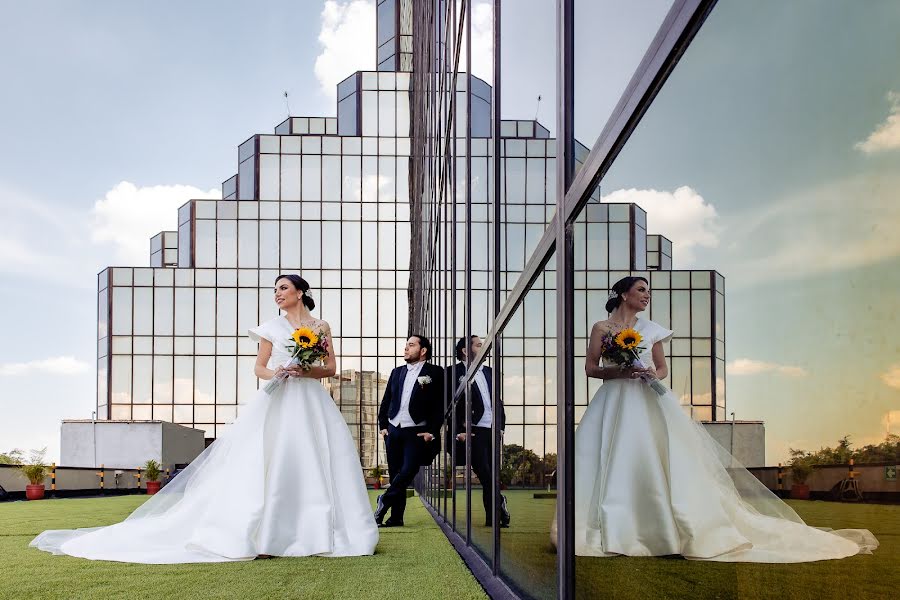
[424, 380]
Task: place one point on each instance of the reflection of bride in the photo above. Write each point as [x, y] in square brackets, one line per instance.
[649, 481]
[283, 480]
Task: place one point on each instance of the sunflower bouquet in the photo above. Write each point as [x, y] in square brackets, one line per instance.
[306, 347]
[623, 349]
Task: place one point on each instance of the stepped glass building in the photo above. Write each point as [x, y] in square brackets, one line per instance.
[392, 212]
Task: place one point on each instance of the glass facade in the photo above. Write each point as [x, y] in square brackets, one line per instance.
[392, 212]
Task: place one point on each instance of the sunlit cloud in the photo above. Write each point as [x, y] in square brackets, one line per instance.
[891, 377]
[51, 367]
[128, 216]
[683, 216]
[887, 135]
[810, 232]
[891, 422]
[746, 366]
[347, 37]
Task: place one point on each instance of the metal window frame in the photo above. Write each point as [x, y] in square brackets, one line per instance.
[673, 37]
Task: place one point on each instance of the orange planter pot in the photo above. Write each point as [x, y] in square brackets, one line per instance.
[153, 487]
[34, 492]
[800, 491]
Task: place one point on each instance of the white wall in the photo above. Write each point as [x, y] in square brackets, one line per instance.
[748, 444]
[125, 444]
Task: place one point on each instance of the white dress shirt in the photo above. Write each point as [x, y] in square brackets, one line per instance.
[488, 415]
[403, 419]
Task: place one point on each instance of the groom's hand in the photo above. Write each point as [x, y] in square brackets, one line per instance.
[383, 432]
[426, 436]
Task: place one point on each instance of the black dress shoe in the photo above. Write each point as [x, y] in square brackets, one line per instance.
[391, 523]
[503, 524]
[380, 509]
[504, 512]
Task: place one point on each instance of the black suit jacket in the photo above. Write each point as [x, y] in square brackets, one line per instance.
[454, 373]
[426, 404]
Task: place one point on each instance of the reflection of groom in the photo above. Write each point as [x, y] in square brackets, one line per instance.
[410, 419]
[482, 418]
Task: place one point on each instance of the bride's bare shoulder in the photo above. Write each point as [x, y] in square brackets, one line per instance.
[601, 327]
[323, 325]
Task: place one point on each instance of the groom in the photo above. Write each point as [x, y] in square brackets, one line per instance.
[410, 421]
[487, 410]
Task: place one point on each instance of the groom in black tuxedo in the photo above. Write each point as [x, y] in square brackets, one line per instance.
[410, 420]
[487, 409]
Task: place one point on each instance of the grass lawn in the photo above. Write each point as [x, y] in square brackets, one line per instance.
[416, 561]
[530, 561]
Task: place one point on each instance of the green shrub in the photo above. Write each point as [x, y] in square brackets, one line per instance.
[151, 470]
[35, 468]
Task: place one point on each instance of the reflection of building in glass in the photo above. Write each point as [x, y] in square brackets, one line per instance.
[330, 198]
[358, 394]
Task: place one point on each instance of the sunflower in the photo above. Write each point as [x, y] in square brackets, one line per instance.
[628, 339]
[305, 337]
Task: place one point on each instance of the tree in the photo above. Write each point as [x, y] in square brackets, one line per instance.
[13, 457]
[886, 451]
[521, 466]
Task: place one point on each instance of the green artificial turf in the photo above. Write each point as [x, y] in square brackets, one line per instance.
[529, 560]
[414, 561]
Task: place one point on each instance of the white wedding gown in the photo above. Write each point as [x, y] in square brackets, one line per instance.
[649, 481]
[284, 479]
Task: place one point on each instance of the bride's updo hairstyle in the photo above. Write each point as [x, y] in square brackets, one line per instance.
[301, 285]
[621, 287]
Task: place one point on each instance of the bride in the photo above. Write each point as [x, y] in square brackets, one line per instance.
[283, 480]
[649, 481]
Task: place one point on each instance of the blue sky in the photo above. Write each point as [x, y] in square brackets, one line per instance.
[771, 155]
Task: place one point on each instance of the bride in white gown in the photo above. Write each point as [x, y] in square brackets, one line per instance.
[649, 481]
[283, 480]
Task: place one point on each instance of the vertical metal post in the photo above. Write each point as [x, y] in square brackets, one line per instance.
[565, 383]
[453, 243]
[496, 379]
[468, 275]
[53, 480]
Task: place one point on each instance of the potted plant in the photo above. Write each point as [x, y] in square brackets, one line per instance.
[151, 473]
[801, 468]
[35, 471]
[376, 473]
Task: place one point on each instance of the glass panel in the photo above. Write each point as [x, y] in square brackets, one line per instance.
[143, 311]
[205, 311]
[205, 250]
[247, 179]
[122, 311]
[142, 388]
[162, 379]
[268, 244]
[226, 311]
[312, 166]
[248, 243]
[121, 380]
[290, 177]
[163, 318]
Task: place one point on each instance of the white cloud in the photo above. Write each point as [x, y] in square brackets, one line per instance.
[347, 36]
[891, 378]
[59, 365]
[482, 42]
[128, 216]
[683, 216]
[891, 422]
[747, 366]
[887, 135]
[836, 226]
